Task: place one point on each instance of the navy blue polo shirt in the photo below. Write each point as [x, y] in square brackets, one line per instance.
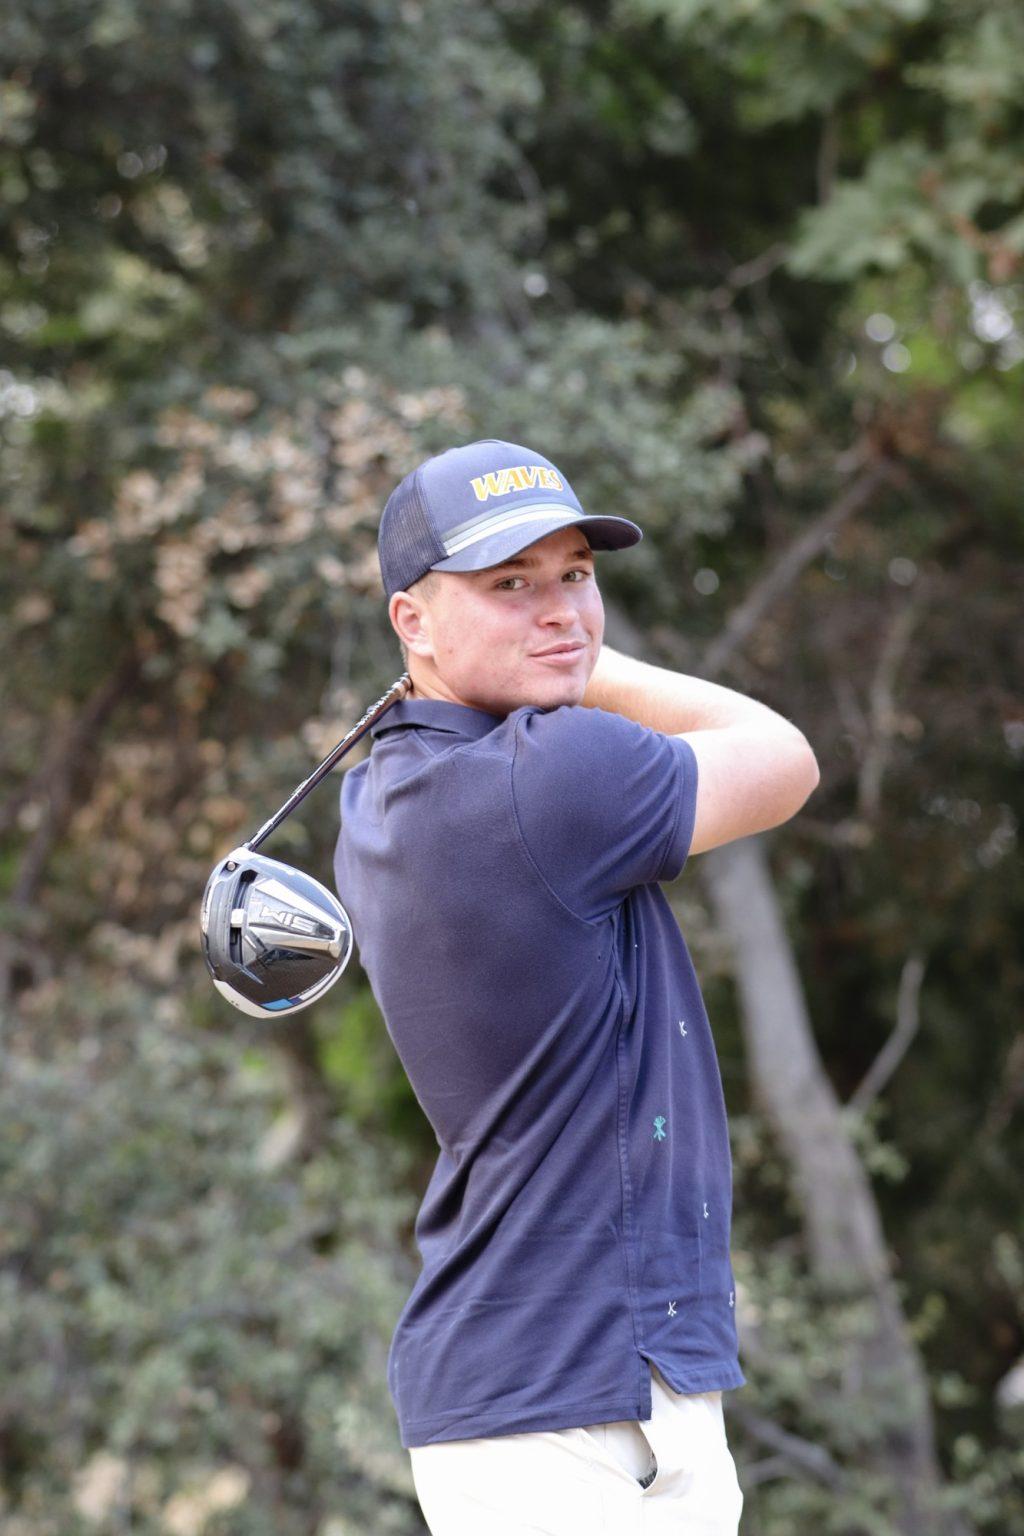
[502, 876]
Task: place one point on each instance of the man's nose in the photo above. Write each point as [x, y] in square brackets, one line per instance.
[559, 607]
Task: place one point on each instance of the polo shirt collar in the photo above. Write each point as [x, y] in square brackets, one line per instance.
[440, 715]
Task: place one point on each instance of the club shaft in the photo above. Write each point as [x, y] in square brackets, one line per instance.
[398, 690]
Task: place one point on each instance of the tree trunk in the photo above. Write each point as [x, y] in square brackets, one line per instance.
[846, 1247]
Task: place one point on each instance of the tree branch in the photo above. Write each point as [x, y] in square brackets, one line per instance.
[802, 1455]
[898, 1043]
[63, 770]
[795, 558]
[882, 706]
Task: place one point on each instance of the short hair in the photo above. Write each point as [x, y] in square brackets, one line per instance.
[424, 587]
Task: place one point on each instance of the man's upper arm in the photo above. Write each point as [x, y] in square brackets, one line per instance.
[749, 780]
[603, 804]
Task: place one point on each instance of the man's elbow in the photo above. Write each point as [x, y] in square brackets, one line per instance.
[812, 773]
[801, 774]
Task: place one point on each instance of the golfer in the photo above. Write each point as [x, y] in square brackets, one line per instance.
[559, 1365]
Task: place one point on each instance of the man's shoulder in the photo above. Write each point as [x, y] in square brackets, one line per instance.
[568, 717]
[562, 750]
[578, 725]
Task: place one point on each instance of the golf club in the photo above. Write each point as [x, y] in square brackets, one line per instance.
[274, 939]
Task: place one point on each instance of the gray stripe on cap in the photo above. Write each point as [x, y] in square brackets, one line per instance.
[496, 522]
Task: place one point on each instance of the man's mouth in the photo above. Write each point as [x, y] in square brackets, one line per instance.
[562, 657]
[564, 648]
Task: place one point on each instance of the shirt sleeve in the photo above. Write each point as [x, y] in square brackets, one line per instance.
[603, 804]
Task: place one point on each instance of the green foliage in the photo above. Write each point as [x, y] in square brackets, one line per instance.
[179, 1313]
[711, 258]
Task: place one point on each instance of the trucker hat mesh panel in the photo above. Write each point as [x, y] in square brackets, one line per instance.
[408, 544]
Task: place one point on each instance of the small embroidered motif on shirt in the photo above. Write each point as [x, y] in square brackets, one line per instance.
[732, 1298]
[705, 1208]
[671, 1309]
[659, 1128]
[682, 1028]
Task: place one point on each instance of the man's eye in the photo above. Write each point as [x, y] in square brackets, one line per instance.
[576, 571]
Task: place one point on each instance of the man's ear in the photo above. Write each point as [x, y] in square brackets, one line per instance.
[410, 619]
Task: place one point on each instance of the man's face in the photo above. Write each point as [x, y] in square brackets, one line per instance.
[482, 630]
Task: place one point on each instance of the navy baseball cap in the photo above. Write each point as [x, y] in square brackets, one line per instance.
[474, 506]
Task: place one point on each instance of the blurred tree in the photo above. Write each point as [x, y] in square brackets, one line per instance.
[721, 263]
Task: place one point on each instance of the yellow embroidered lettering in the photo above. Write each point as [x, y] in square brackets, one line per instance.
[487, 485]
[498, 482]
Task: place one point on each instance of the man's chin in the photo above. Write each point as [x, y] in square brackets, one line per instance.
[550, 693]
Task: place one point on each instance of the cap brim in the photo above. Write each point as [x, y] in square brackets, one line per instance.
[536, 523]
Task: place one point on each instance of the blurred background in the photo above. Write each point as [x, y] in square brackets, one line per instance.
[751, 273]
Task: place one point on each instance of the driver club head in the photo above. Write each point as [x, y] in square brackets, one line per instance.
[274, 939]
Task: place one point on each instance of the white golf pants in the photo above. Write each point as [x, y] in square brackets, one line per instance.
[589, 1481]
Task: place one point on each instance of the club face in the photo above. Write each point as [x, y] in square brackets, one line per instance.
[274, 939]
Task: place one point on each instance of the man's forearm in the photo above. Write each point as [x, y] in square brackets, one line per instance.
[673, 702]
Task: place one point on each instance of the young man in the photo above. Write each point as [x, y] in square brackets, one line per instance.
[560, 1363]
